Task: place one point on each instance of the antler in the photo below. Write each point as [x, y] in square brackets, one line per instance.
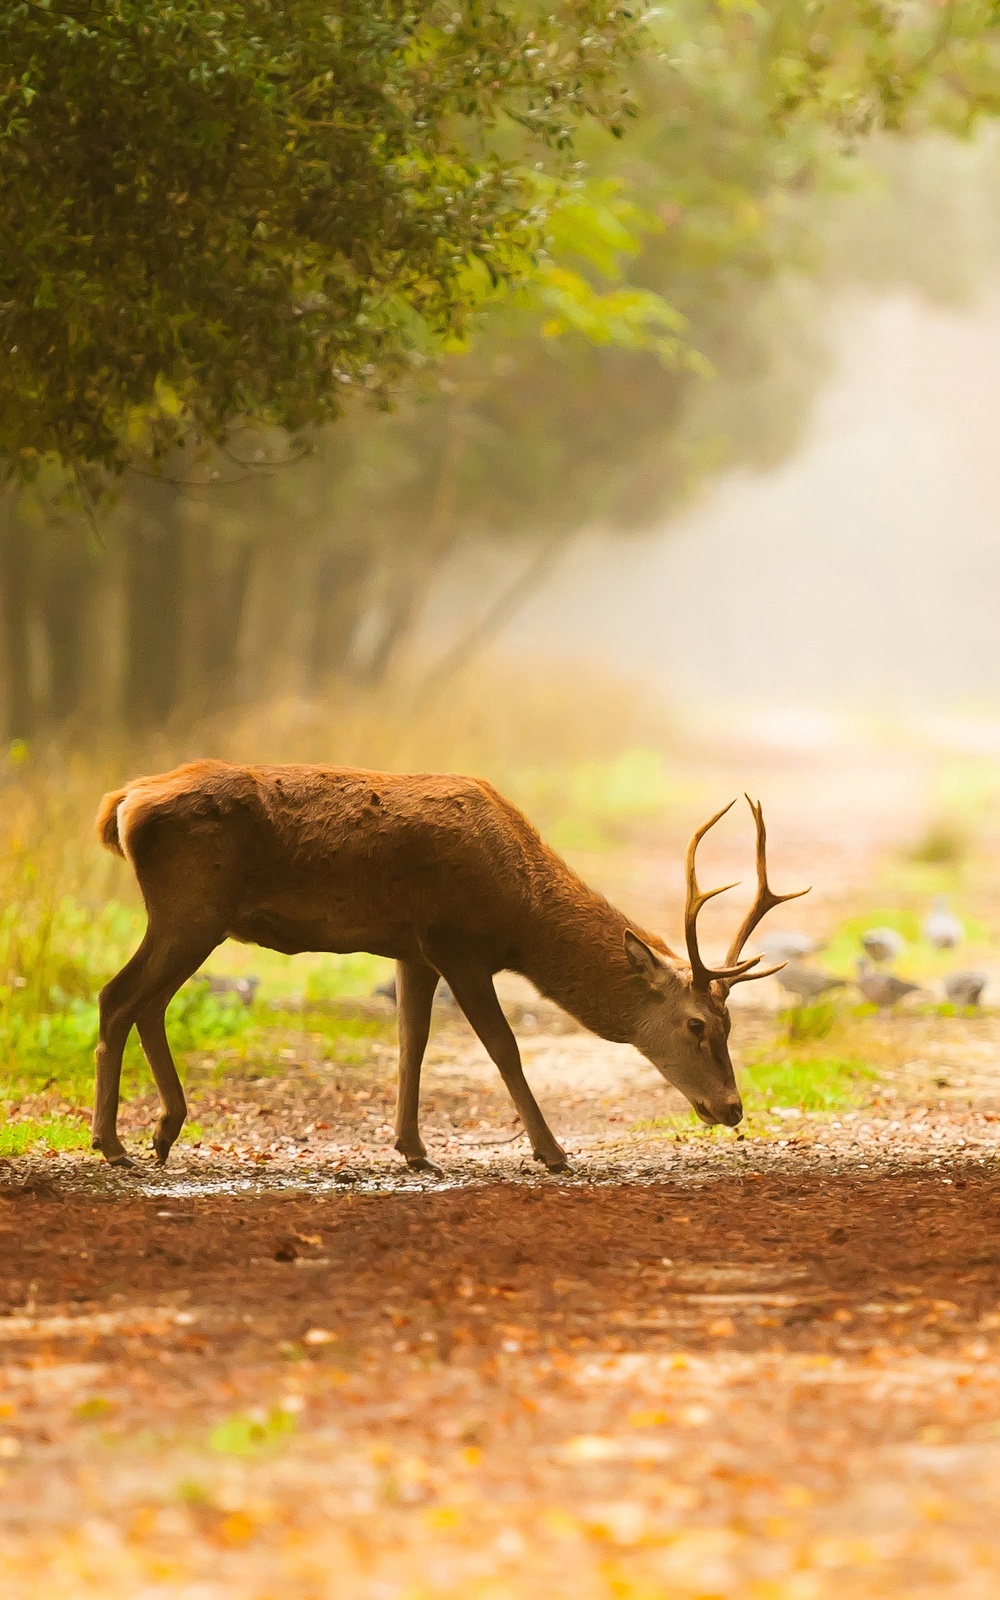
[701, 975]
[765, 901]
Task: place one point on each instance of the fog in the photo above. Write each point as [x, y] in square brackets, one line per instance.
[862, 575]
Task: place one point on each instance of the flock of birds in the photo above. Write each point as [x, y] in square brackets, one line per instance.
[882, 946]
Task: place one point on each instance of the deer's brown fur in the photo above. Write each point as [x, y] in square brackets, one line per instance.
[439, 873]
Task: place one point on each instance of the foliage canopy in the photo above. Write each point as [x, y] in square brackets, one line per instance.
[209, 212]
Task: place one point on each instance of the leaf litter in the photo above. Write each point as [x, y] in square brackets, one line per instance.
[694, 1366]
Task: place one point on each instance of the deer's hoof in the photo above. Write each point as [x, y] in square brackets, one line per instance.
[113, 1152]
[421, 1164]
[557, 1163]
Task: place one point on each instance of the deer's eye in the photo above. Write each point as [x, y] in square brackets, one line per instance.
[697, 1027]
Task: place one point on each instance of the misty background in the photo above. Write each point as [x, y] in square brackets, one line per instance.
[805, 520]
[861, 574]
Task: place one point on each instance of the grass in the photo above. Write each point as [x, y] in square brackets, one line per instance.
[331, 978]
[945, 842]
[807, 1083]
[819, 1060]
[779, 1082]
[19, 1137]
[592, 805]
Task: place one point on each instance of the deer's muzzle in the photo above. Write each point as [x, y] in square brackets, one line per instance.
[728, 1112]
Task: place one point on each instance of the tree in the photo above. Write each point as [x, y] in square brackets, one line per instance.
[210, 213]
[582, 405]
[648, 325]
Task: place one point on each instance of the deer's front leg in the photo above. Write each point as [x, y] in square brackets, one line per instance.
[415, 986]
[473, 990]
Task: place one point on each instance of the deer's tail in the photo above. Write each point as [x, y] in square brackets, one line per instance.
[107, 821]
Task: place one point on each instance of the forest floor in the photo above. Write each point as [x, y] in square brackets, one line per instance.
[751, 1365]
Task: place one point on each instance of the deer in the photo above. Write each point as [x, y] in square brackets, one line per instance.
[438, 873]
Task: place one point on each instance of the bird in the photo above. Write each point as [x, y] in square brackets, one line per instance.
[882, 944]
[789, 946]
[941, 926]
[965, 988]
[243, 988]
[807, 983]
[883, 989]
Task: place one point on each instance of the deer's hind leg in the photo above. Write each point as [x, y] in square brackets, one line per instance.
[415, 986]
[116, 1018]
[138, 996]
[151, 1027]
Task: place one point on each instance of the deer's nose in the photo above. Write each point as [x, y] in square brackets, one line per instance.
[728, 1112]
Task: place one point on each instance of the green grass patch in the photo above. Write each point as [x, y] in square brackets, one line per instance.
[344, 978]
[802, 1023]
[806, 1083]
[55, 955]
[199, 1020]
[46, 1048]
[946, 842]
[20, 1136]
[591, 805]
[818, 1083]
[687, 1125]
[344, 1028]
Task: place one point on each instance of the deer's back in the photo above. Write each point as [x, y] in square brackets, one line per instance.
[314, 857]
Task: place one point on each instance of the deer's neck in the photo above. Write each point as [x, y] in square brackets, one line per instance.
[575, 956]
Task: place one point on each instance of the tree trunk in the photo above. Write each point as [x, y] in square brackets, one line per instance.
[399, 612]
[15, 584]
[339, 585]
[418, 569]
[233, 566]
[487, 627]
[63, 600]
[154, 578]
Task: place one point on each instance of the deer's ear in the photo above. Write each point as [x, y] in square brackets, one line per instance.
[654, 972]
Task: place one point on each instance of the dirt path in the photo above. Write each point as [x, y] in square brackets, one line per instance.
[285, 1370]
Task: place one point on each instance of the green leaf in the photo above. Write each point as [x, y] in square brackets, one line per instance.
[249, 1433]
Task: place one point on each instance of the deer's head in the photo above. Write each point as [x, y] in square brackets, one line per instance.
[684, 1027]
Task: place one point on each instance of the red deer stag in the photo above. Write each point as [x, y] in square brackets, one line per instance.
[440, 874]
